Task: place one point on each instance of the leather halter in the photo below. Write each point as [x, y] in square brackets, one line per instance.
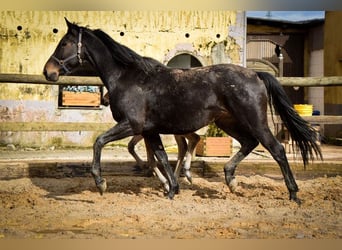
[63, 62]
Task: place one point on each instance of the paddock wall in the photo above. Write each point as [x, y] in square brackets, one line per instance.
[28, 38]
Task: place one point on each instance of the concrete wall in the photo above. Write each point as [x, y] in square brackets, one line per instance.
[28, 38]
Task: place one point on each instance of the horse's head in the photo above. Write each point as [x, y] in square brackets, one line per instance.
[68, 54]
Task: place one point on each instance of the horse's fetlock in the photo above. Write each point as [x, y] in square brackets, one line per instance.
[96, 173]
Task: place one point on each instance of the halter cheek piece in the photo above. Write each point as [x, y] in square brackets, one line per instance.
[63, 62]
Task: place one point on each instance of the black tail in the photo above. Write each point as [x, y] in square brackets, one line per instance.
[301, 132]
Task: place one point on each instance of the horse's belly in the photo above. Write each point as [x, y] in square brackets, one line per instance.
[180, 122]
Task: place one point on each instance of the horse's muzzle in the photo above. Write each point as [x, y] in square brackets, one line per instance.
[51, 76]
[51, 72]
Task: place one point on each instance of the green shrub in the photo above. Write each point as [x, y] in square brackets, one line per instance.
[214, 131]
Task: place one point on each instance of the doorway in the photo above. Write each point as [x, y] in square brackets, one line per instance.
[184, 61]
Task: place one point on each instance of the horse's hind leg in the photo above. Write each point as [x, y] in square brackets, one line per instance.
[278, 153]
[259, 129]
[247, 142]
[154, 142]
[153, 165]
[229, 168]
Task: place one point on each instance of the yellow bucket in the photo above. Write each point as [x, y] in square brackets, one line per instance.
[304, 109]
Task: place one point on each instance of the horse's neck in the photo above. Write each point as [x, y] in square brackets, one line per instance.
[103, 63]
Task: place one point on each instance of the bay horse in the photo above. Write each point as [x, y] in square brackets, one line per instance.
[149, 100]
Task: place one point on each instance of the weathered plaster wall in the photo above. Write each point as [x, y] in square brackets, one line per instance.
[28, 38]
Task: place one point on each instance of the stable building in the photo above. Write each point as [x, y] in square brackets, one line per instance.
[309, 48]
[28, 38]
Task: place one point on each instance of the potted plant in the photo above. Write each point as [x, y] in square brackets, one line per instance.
[215, 142]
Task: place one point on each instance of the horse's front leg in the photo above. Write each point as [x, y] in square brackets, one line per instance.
[153, 165]
[120, 131]
[131, 145]
[155, 144]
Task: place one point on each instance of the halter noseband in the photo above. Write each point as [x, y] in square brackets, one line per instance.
[63, 62]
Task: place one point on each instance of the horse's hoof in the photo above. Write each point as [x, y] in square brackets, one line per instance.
[188, 177]
[293, 197]
[171, 194]
[173, 190]
[102, 186]
[232, 185]
[298, 201]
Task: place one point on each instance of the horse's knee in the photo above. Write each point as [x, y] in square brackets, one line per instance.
[99, 142]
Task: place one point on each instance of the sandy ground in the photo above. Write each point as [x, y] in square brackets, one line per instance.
[135, 207]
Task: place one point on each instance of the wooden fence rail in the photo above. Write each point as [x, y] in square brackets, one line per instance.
[54, 126]
[92, 126]
[40, 79]
[95, 81]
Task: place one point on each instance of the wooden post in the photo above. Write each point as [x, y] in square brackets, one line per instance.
[281, 65]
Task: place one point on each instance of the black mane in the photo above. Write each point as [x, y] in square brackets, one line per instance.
[123, 55]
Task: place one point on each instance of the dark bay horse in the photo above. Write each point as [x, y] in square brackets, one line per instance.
[149, 100]
[185, 149]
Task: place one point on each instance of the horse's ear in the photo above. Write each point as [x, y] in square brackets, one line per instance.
[69, 24]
